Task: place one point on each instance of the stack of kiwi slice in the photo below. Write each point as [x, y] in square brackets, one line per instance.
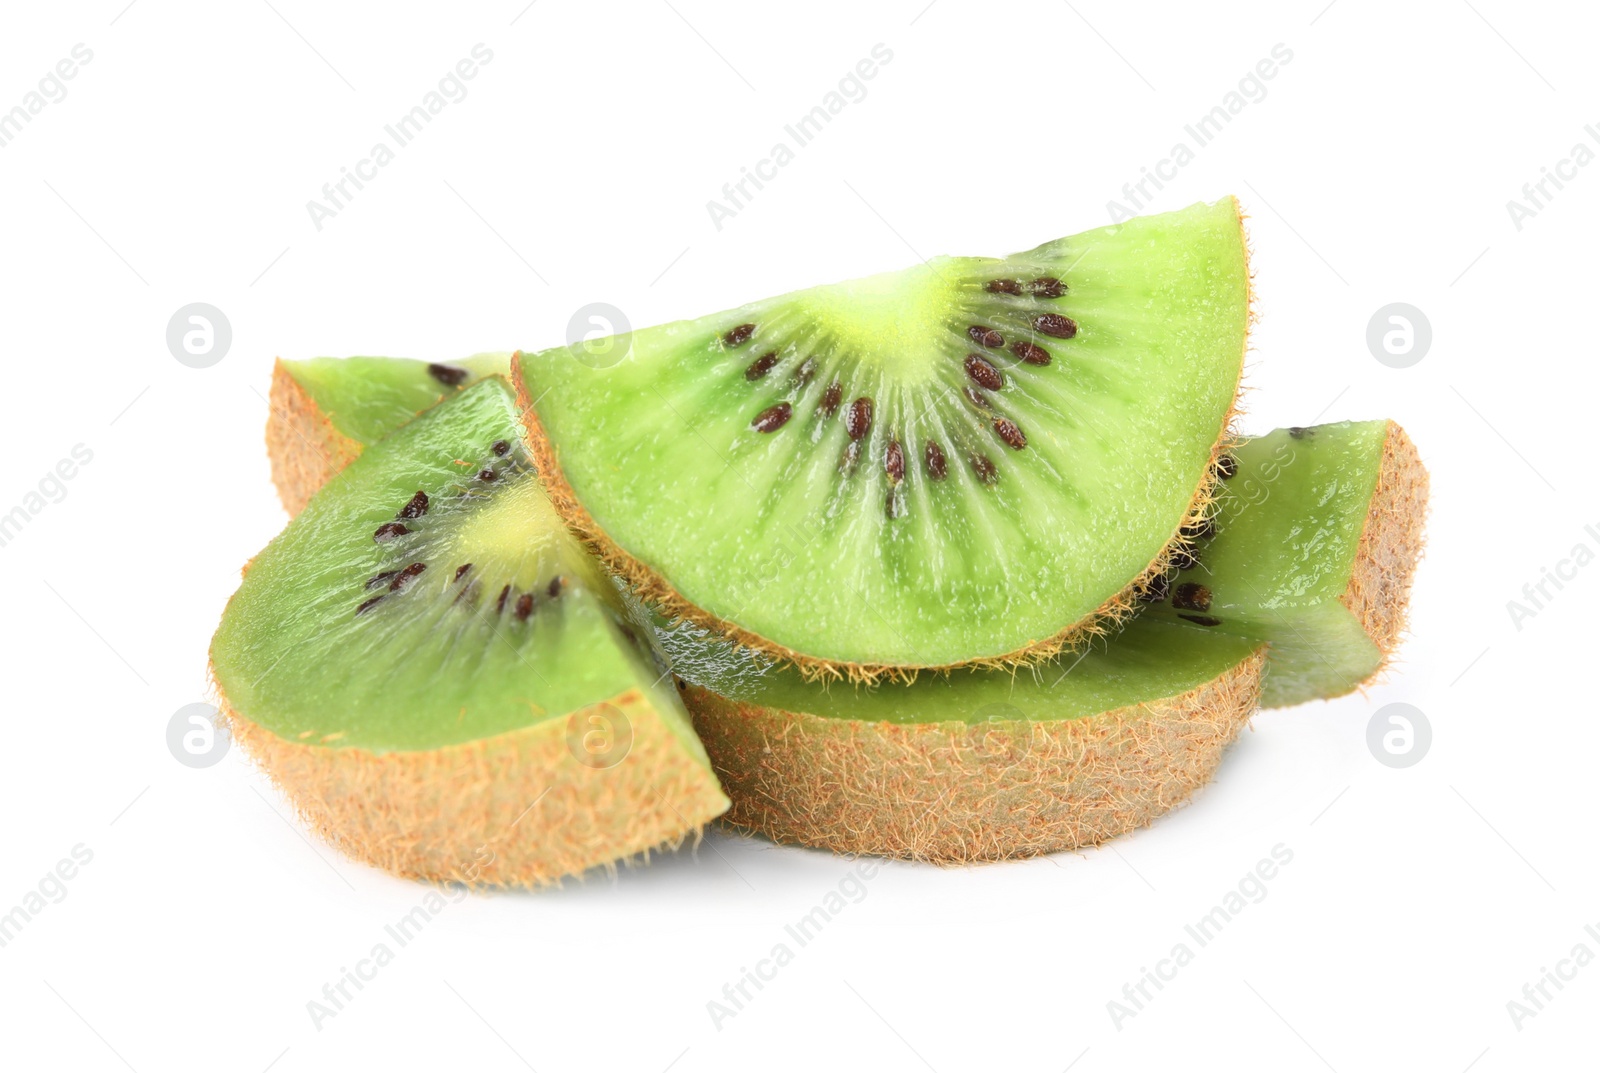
[959, 563]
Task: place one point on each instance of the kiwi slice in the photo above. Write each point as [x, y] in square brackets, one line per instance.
[969, 461]
[1311, 548]
[976, 765]
[325, 410]
[442, 680]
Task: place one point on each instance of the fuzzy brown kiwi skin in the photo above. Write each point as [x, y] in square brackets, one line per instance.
[955, 793]
[658, 591]
[305, 449]
[514, 810]
[1391, 545]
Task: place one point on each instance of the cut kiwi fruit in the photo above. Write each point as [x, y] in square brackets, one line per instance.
[977, 765]
[1310, 547]
[969, 461]
[443, 682]
[323, 411]
[981, 765]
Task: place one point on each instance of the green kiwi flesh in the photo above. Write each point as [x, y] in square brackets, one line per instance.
[366, 398]
[437, 673]
[970, 460]
[1310, 548]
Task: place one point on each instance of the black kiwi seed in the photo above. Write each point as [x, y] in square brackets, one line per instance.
[404, 577]
[1155, 590]
[740, 335]
[1028, 352]
[933, 458]
[448, 375]
[983, 468]
[554, 588]
[1047, 287]
[487, 474]
[1008, 431]
[894, 462]
[1202, 620]
[524, 606]
[976, 397]
[1227, 466]
[986, 336]
[761, 366]
[461, 571]
[389, 531]
[830, 399]
[1191, 596]
[803, 375]
[377, 580]
[773, 418]
[858, 422]
[1003, 286]
[1299, 433]
[1183, 558]
[500, 448]
[368, 605]
[500, 604]
[1054, 324]
[416, 507]
[1204, 529]
[983, 374]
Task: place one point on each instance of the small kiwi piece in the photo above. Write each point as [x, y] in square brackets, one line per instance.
[1310, 546]
[443, 682]
[324, 411]
[968, 461]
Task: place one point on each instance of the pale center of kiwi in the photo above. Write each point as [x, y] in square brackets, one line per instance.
[893, 322]
[512, 534]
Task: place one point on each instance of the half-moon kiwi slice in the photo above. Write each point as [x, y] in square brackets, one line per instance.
[325, 410]
[1310, 547]
[443, 682]
[969, 461]
[976, 765]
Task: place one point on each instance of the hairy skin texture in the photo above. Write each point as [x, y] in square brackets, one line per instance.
[305, 449]
[1391, 546]
[953, 793]
[516, 810]
[658, 592]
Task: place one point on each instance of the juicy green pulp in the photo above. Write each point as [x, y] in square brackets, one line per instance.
[1289, 524]
[368, 398]
[761, 530]
[419, 672]
[1146, 662]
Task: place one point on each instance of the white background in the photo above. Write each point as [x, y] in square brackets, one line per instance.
[1376, 169]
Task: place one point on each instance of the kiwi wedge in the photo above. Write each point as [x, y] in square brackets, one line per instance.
[325, 410]
[443, 682]
[971, 461]
[1310, 547]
